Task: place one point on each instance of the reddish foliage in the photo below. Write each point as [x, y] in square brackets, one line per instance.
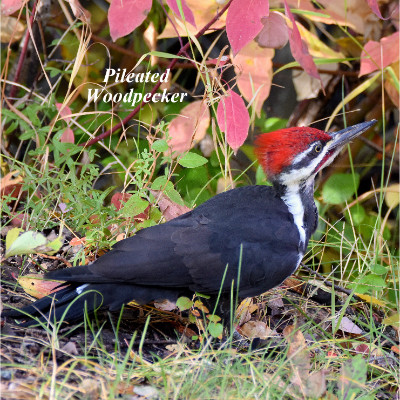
[187, 12]
[233, 119]
[243, 22]
[125, 16]
[299, 48]
[67, 136]
[379, 55]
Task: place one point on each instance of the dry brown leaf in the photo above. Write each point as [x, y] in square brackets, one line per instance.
[255, 329]
[165, 305]
[11, 30]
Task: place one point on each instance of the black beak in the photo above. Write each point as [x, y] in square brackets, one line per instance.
[341, 138]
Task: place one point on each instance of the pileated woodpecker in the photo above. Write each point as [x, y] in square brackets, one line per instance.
[254, 236]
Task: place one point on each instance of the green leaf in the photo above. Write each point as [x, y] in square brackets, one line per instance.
[340, 188]
[378, 269]
[161, 183]
[184, 303]
[215, 329]
[192, 160]
[134, 206]
[369, 283]
[356, 215]
[26, 243]
[160, 146]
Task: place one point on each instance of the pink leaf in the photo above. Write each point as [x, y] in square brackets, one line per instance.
[124, 16]
[10, 6]
[68, 136]
[253, 67]
[378, 55]
[187, 12]
[299, 48]
[233, 119]
[243, 21]
[274, 34]
[375, 8]
[189, 127]
[64, 111]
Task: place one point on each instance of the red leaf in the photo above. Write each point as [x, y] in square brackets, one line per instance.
[299, 48]
[189, 127]
[243, 21]
[65, 112]
[118, 199]
[378, 55]
[67, 136]
[233, 119]
[375, 8]
[124, 16]
[274, 34]
[10, 6]
[187, 12]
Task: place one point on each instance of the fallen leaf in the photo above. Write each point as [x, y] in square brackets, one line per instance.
[298, 354]
[37, 287]
[352, 378]
[70, 348]
[18, 243]
[243, 22]
[253, 67]
[379, 55]
[255, 329]
[348, 326]
[233, 119]
[189, 127]
[165, 305]
[125, 16]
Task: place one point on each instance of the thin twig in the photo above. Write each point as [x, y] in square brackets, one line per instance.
[327, 283]
[22, 56]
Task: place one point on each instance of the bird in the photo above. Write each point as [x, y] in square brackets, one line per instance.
[248, 239]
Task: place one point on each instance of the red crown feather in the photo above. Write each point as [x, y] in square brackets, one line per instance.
[276, 150]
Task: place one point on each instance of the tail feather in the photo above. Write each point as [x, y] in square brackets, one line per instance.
[70, 303]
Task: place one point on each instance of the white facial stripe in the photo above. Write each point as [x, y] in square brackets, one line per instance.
[302, 155]
[295, 176]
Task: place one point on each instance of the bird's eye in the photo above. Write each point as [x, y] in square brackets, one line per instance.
[317, 148]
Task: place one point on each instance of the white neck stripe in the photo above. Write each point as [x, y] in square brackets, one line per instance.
[294, 203]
